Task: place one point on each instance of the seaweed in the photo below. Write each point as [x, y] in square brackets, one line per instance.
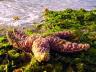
[81, 22]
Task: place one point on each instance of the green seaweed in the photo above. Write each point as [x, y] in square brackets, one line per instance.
[81, 22]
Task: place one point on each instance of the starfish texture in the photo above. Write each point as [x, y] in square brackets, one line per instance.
[41, 46]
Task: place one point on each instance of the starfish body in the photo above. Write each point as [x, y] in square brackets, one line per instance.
[41, 46]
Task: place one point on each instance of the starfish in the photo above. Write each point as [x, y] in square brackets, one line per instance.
[41, 46]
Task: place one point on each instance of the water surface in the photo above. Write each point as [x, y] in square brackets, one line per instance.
[29, 11]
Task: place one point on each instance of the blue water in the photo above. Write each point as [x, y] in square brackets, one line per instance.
[29, 11]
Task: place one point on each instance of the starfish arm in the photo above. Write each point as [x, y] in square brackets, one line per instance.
[61, 45]
[23, 44]
[40, 49]
[11, 39]
[19, 35]
[26, 44]
[63, 34]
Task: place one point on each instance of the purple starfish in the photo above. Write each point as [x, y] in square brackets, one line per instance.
[41, 46]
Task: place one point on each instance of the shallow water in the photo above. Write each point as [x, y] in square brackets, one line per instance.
[29, 11]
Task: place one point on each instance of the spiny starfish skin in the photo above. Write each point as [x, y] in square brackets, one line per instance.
[41, 46]
[41, 49]
[60, 45]
[19, 35]
[63, 34]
